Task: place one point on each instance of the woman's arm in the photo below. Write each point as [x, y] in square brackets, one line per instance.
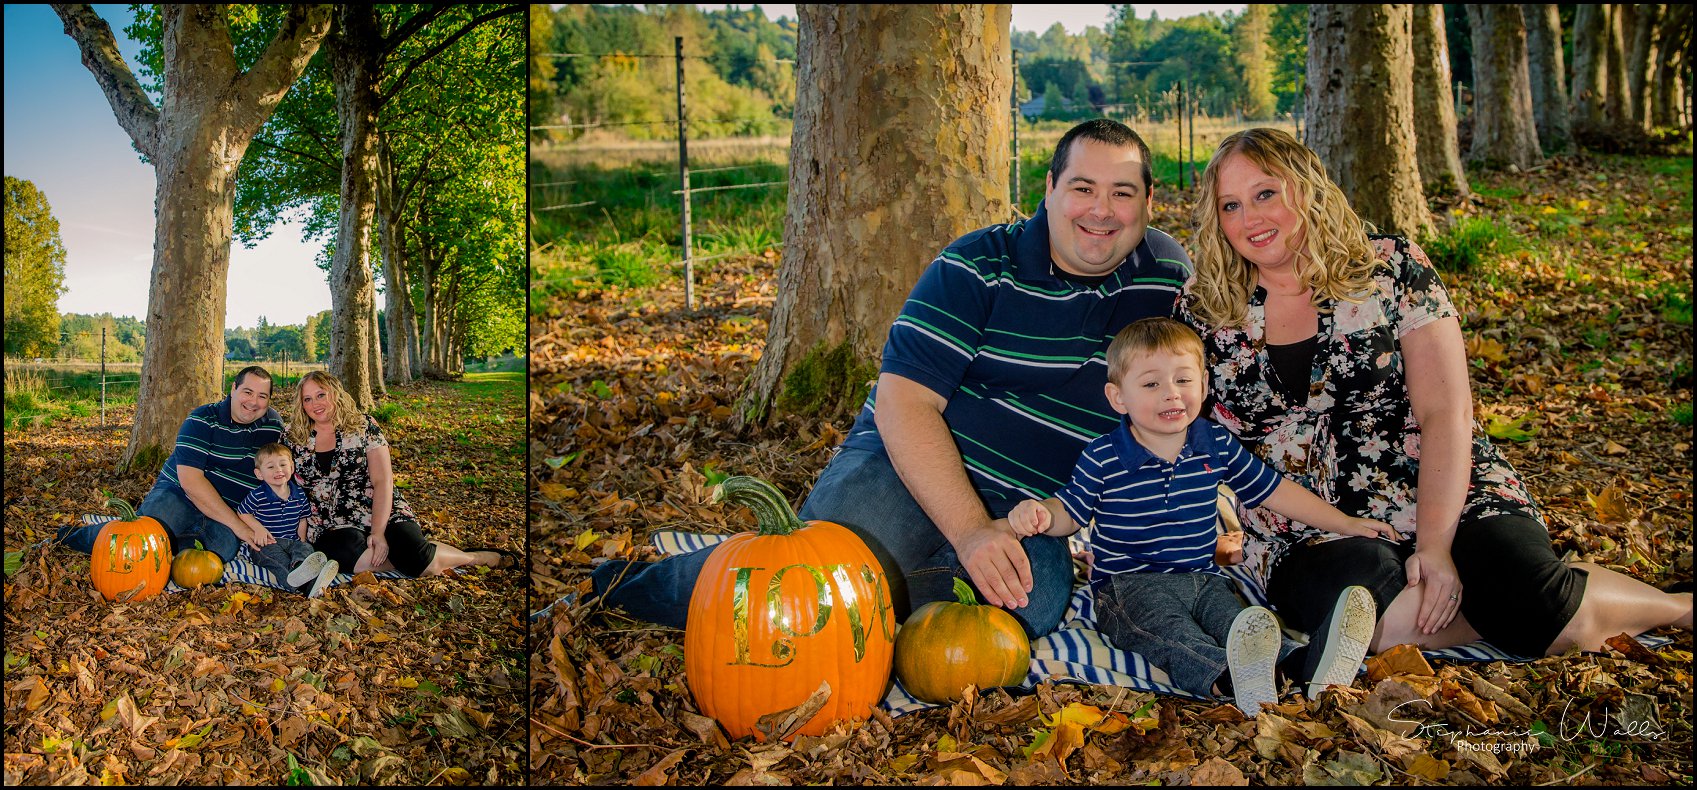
[382, 500]
[1441, 400]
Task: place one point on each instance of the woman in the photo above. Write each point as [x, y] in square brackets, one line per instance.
[1338, 358]
[359, 519]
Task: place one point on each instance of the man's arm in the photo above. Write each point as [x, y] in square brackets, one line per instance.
[206, 499]
[909, 416]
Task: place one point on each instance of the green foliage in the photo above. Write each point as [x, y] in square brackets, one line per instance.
[1681, 413]
[1674, 302]
[387, 411]
[35, 271]
[1469, 243]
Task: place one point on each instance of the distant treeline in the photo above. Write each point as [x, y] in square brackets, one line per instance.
[80, 337]
[611, 68]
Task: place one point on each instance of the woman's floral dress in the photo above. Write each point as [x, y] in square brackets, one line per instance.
[1355, 441]
[341, 498]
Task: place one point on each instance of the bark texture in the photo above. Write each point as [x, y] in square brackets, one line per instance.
[356, 64]
[210, 113]
[1590, 70]
[1549, 77]
[1640, 61]
[1360, 104]
[1504, 133]
[1436, 148]
[900, 147]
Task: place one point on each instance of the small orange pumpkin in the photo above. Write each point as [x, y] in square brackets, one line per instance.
[776, 613]
[195, 567]
[130, 554]
[946, 646]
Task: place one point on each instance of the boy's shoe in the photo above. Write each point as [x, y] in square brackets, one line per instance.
[326, 577]
[308, 569]
[1252, 650]
[1346, 639]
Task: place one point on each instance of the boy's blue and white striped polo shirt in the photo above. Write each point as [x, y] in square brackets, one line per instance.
[211, 441]
[1153, 516]
[1019, 353]
[280, 517]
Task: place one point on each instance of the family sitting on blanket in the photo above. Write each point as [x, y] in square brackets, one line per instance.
[213, 469]
[1335, 358]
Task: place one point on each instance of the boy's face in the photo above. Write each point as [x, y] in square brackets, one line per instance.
[1161, 391]
[275, 470]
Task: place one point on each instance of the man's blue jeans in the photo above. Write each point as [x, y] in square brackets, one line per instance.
[859, 489]
[183, 522]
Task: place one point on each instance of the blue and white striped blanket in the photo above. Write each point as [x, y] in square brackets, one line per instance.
[1077, 652]
[242, 568]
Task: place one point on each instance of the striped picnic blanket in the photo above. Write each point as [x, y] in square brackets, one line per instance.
[1077, 652]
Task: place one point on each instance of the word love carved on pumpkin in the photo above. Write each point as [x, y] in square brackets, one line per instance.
[123, 551]
[830, 583]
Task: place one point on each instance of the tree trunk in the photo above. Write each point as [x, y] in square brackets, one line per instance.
[402, 360]
[1640, 60]
[900, 146]
[1436, 148]
[1549, 76]
[353, 297]
[1615, 103]
[1360, 106]
[1666, 96]
[1590, 71]
[1504, 133]
[211, 112]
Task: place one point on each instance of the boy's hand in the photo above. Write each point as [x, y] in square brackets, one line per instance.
[1368, 528]
[1029, 518]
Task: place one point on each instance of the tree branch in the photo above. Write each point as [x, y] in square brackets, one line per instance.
[135, 112]
[436, 50]
[262, 87]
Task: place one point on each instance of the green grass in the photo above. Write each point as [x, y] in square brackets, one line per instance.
[42, 396]
[1469, 244]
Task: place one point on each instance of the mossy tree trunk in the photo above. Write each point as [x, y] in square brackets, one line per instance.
[1360, 104]
[1437, 148]
[900, 146]
[1549, 77]
[1504, 131]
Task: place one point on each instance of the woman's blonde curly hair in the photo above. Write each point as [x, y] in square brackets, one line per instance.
[1336, 260]
[348, 416]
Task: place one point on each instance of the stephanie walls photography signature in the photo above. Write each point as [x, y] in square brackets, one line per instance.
[1569, 727]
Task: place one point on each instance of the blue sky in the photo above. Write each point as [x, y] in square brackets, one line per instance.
[60, 133]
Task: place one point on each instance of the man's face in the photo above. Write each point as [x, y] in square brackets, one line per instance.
[1099, 208]
[275, 470]
[249, 399]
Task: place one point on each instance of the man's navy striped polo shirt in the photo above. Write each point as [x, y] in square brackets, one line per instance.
[1019, 353]
[211, 441]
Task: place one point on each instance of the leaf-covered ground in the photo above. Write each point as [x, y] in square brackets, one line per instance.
[403, 682]
[1581, 344]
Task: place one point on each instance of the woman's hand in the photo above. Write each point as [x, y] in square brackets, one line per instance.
[1440, 589]
[379, 549]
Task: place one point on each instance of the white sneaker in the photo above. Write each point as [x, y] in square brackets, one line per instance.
[1353, 619]
[1252, 650]
[308, 569]
[326, 577]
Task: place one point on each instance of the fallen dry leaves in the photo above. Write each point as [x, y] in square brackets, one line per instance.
[404, 682]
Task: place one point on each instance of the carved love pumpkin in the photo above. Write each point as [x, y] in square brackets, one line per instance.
[132, 553]
[776, 613]
[944, 647]
[195, 567]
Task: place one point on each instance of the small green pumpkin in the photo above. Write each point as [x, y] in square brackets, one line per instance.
[946, 646]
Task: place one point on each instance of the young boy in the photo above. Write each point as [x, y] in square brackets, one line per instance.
[279, 505]
[1150, 487]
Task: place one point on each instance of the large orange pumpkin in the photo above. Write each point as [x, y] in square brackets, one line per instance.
[946, 646]
[132, 553]
[777, 612]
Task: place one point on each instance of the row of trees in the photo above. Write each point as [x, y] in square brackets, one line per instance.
[35, 271]
[401, 144]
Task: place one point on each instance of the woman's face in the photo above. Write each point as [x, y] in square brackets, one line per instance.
[316, 400]
[1254, 216]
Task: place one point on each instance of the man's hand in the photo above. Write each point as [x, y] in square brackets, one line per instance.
[258, 538]
[997, 564]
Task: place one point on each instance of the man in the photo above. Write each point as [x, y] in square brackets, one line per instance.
[209, 473]
[990, 386]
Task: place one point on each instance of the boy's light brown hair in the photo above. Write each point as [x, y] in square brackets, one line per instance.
[269, 450]
[1147, 335]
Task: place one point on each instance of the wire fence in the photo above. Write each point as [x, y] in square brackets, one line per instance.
[1168, 122]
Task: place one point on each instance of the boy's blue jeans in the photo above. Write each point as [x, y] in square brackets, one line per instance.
[281, 557]
[183, 522]
[859, 489]
[1177, 621]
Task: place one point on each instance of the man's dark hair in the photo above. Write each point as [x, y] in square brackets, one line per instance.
[1102, 130]
[241, 375]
